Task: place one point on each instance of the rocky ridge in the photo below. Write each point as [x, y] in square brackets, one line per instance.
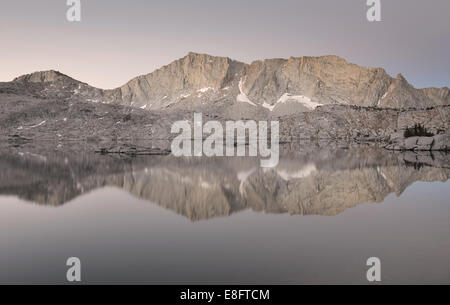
[268, 87]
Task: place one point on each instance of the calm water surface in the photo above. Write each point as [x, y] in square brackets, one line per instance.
[316, 218]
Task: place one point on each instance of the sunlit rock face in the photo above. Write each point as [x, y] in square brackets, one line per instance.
[305, 182]
[265, 87]
[278, 86]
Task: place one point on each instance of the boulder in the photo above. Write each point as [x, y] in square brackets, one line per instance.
[425, 143]
[441, 142]
[397, 136]
[411, 143]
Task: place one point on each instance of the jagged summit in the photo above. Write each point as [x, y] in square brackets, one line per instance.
[278, 86]
[180, 80]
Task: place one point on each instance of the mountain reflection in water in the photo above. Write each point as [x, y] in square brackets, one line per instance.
[315, 182]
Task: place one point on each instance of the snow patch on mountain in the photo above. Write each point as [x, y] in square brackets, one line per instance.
[304, 100]
[242, 97]
[301, 99]
[40, 124]
[268, 106]
[381, 99]
[183, 96]
[203, 90]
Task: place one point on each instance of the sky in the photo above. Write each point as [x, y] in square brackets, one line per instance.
[118, 40]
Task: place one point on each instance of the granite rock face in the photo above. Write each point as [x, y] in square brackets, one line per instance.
[194, 74]
[377, 125]
[324, 80]
[114, 127]
[312, 98]
[271, 87]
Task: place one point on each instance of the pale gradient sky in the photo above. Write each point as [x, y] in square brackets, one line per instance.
[118, 40]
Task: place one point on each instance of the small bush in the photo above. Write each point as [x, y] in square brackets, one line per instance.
[126, 118]
[417, 131]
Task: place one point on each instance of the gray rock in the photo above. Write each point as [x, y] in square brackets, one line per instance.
[411, 143]
[425, 141]
[442, 142]
[397, 136]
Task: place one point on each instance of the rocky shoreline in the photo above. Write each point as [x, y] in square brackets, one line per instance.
[114, 128]
[383, 127]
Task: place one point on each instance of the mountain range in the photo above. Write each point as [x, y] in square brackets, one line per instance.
[312, 97]
[272, 85]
